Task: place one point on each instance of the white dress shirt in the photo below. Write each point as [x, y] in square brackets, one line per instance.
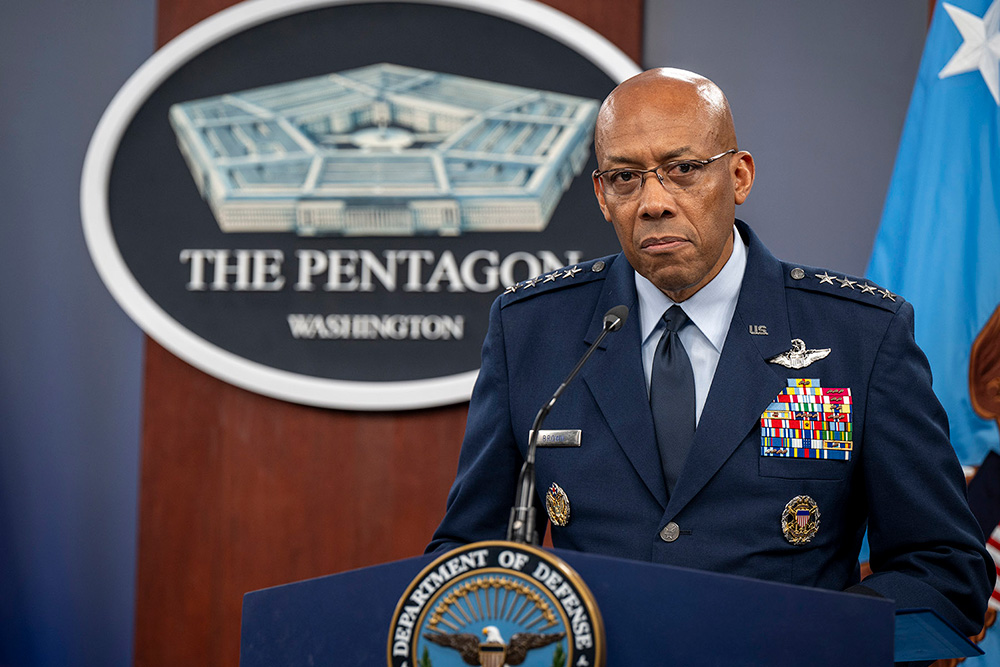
[710, 310]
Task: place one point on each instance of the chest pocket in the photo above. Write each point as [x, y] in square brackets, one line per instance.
[788, 468]
[806, 432]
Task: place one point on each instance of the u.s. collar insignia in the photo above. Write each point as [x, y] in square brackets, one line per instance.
[799, 356]
[557, 505]
[495, 604]
[800, 520]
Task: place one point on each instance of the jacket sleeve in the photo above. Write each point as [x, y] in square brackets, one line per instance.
[926, 547]
[483, 492]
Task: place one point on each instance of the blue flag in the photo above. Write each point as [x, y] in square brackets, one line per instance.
[939, 240]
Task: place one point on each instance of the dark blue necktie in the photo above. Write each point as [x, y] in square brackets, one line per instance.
[671, 397]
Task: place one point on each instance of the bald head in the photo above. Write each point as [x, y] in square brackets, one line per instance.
[689, 97]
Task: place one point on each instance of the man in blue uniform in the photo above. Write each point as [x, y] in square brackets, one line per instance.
[752, 416]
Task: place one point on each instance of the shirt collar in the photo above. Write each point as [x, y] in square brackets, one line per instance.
[710, 309]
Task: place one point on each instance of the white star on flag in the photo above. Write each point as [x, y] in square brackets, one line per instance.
[981, 48]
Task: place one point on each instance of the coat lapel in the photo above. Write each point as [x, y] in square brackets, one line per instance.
[615, 378]
[744, 383]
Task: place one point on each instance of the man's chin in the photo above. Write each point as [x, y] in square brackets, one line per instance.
[671, 283]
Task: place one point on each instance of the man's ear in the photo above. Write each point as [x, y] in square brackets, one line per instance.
[599, 193]
[743, 173]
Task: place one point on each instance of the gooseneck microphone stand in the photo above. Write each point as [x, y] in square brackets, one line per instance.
[521, 527]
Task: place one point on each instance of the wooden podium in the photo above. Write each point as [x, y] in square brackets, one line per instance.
[240, 492]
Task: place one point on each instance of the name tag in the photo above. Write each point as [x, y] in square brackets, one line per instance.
[807, 421]
[568, 437]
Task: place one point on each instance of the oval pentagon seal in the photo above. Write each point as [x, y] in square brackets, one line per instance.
[494, 604]
[316, 201]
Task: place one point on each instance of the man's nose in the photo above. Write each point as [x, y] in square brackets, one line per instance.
[656, 200]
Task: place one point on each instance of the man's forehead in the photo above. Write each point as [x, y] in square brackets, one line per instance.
[661, 95]
[633, 133]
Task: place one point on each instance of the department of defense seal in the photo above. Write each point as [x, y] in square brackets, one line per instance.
[495, 604]
[800, 520]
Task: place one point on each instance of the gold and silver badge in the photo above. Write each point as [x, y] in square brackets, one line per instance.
[800, 520]
[557, 505]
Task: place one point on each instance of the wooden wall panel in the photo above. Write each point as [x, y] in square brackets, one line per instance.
[240, 492]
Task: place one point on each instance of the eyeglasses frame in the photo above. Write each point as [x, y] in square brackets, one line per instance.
[655, 171]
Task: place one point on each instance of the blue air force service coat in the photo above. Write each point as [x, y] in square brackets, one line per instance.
[899, 478]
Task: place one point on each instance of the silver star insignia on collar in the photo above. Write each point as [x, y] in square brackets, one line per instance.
[825, 278]
[867, 289]
[798, 356]
[847, 282]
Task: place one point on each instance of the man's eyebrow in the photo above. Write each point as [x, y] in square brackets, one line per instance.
[666, 157]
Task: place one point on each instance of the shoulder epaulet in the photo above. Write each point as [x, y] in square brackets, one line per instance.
[861, 290]
[564, 278]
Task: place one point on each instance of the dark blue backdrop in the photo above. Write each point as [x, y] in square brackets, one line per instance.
[70, 366]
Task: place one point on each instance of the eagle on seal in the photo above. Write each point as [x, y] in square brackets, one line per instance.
[492, 651]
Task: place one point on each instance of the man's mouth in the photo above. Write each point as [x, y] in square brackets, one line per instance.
[663, 243]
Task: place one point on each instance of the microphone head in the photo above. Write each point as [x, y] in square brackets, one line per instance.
[615, 318]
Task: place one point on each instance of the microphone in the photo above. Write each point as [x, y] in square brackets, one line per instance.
[521, 526]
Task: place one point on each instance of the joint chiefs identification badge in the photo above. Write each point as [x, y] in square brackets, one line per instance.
[495, 604]
[800, 520]
[557, 505]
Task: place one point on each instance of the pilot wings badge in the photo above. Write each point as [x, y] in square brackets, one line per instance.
[799, 356]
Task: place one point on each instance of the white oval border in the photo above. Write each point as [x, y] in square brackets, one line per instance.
[193, 349]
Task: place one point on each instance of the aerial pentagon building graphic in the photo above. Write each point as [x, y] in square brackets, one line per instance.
[385, 150]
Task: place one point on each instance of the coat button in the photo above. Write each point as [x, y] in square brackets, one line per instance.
[670, 532]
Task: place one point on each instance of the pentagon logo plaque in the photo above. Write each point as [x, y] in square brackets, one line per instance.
[317, 200]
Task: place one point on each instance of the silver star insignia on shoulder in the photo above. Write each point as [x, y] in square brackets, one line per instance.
[511, 289]
[847, 282]
[530, 283]
[551, 277]
[569, 273]
[886, 294]
[867, 289]
[825, 278]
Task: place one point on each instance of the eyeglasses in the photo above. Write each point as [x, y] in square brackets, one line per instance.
[676, 174]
